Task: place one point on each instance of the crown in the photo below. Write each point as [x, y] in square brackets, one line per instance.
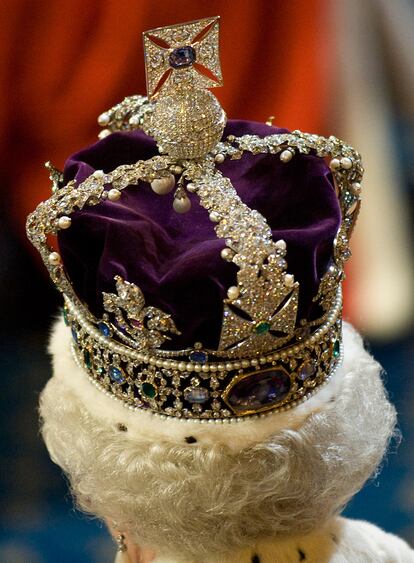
[268, 358]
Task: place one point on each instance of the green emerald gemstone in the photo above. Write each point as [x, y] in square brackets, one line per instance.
[100, 371]
[87, 359]
[65, 316]
[262, 328]
[149, 390]
[336, 348]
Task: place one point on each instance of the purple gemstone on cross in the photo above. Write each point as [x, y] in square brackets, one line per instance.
[258, 390]
[182, 57]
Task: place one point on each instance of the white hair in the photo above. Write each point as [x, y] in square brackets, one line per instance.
[206, 496]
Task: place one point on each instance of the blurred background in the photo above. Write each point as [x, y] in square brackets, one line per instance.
[341, 67]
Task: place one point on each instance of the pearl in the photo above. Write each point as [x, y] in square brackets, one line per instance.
[346, 163]
[214, 216]
[103, 119]
[182, 204]
[99, 174]
[104, 133]
[245, 363]
[286, 156]
[64, 222]
[219, 158]
[114, 194]
[280, 244]
[192, 188]
[227, 254]
[356, 187]
[176, 169]
[54, 258]
[335, 164]
[165, 185]
[289, 280]
[233, 292]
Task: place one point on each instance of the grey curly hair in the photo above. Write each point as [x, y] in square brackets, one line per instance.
[195, 499]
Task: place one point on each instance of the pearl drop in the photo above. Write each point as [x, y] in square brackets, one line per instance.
[162, 186]
[280, 244]
[54, 258]
[114, 194]
[289, 280]
[233, 292]
[214, 216]
[104, 133]
[227, 254]
[182, 204]
[335, 164]
[356, 187]
[219, 158]
[192, 188]
[64, 222]
[346, 163]
[103, 119]
[286, 156]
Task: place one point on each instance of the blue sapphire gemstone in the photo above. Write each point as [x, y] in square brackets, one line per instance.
[104, 328]
[259, 390]
[182, 57]
[307, 370]
[196, 395]
[198, 356]
[116, 374]
[74, 334]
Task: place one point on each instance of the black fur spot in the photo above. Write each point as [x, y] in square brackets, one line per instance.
[255, 559]
[302, 555]
[121, 427]
[190, 440]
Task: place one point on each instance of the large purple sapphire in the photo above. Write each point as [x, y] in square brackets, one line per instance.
[259, 390]
[182, 57]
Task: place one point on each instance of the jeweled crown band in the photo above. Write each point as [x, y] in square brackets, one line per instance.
[204, 389]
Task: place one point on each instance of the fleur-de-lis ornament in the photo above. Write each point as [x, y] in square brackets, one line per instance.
[142, 327]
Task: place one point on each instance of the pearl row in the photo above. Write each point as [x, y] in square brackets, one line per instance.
[209, 367]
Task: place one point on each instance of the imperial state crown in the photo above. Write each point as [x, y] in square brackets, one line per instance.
[200, 260]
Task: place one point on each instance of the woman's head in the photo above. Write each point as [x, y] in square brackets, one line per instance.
[196, 488]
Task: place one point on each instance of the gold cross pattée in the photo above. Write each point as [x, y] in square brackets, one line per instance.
[183, 52]
[182, 63]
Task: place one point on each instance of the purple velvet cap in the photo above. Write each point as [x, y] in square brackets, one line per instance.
[175, 259]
